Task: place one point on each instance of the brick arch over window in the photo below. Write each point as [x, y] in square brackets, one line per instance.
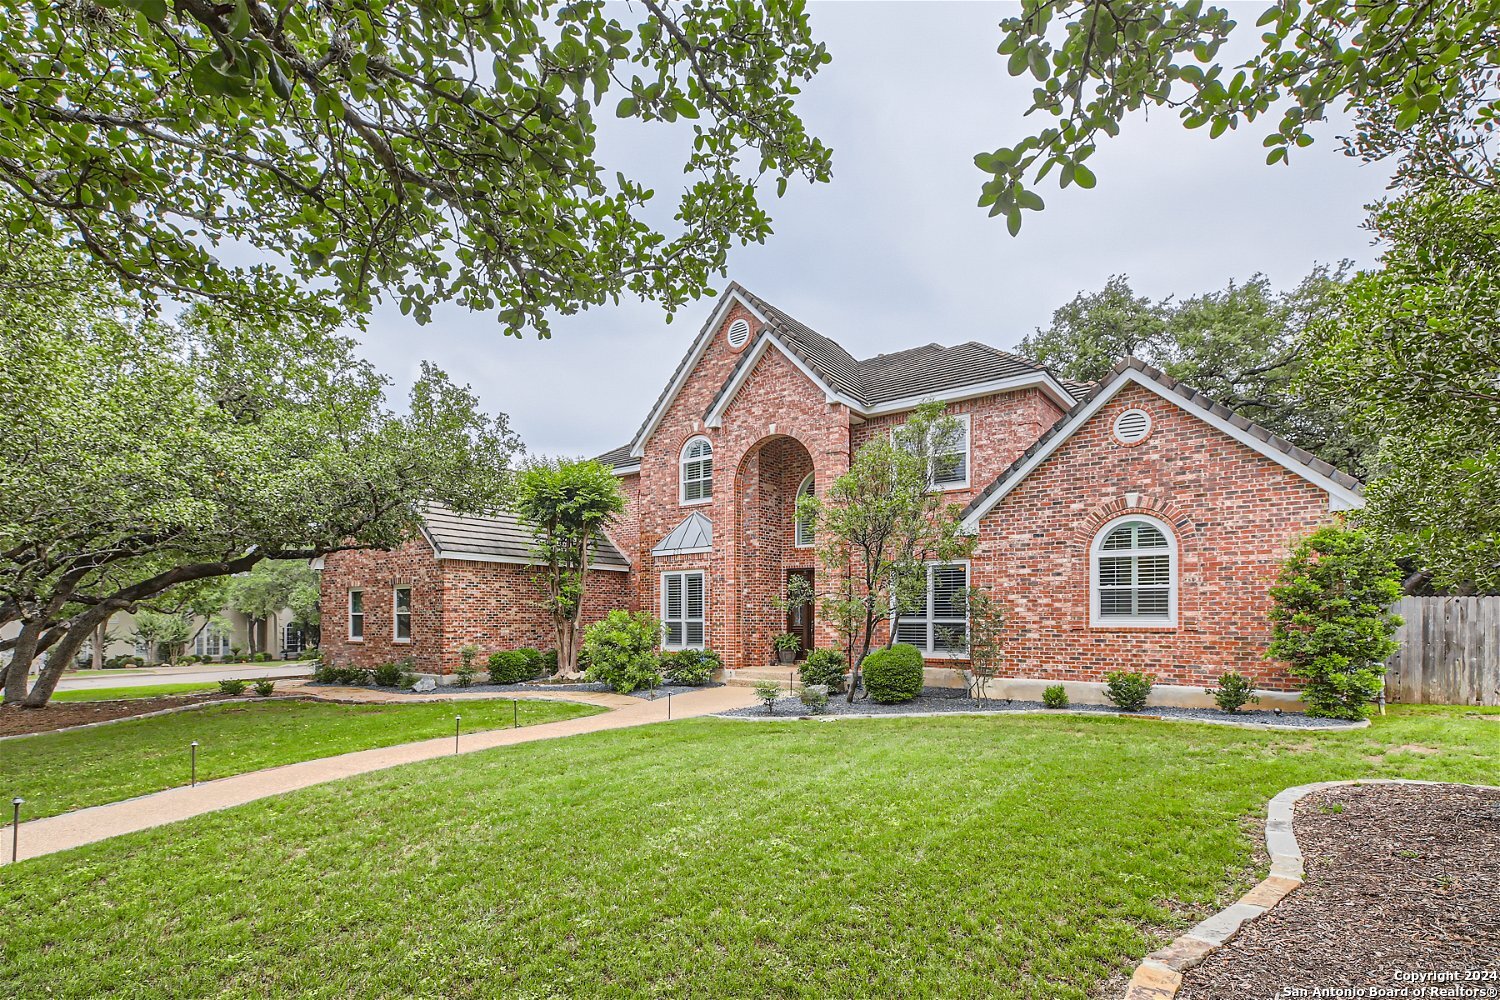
[1189, 568]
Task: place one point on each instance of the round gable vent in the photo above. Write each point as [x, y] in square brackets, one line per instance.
[739, 332]
[1132, 426]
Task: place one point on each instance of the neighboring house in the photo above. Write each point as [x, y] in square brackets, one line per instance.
[278, 635]
[1132, 524]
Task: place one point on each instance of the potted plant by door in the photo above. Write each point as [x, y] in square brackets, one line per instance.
[787, 646]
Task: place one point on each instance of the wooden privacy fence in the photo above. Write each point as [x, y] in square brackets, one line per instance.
[1450, 652]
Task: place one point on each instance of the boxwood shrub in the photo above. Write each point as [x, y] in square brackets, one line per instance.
[692, 667]
[1127, 689]
[893, 675]
[825, 666]
[514, 666]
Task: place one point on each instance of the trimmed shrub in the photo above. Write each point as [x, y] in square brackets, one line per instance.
[533, 660]
[893, 675]
[513, 666]
[768, 692]
[232, 686]
[621, 649]
[1055, 696]
[1234, 691]
[826, 667]
[260, 658]
[1331, 620]
[691, 667]
[1128, 689]
[549, 663]
[265, 687]
[388, 675]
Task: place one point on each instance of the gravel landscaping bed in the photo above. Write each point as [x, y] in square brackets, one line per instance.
[956, 700]
[1401, 881]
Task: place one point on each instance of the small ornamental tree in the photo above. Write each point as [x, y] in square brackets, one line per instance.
[162, 633]
[879, 524]
[1331, 619]
[987, 623]
[567, 504]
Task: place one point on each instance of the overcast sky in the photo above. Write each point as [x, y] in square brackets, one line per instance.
[894, 253]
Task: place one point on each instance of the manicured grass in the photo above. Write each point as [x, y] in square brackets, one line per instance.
[1018, 857]
[60, 772]
[144, 691]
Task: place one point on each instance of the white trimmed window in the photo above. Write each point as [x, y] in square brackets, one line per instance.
[939, 625]
[1134, 574]
[293, 639]
[356, 614]
[210, 641]
[683, 607]
[401, 614]
[697, 471]
[949, 460]
[804, 529]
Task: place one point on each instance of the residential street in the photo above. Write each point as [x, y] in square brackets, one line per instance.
[207, 673]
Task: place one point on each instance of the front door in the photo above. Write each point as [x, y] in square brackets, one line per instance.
[799, 618]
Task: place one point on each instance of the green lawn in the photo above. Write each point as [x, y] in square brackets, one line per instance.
[144, 691]
[1021, 857]
[59, 772]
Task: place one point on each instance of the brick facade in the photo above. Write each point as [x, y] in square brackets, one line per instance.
[1231, 510]
[454, 603]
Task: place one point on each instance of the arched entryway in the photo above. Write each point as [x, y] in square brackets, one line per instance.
[769, 548]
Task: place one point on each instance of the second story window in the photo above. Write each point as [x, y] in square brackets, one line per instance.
[697, 471]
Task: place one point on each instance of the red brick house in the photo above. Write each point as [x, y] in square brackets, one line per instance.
[1129, 524]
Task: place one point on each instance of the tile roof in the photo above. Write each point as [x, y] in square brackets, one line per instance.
[497, 538]
[618, 458]
[917, 371]
[1189, 395]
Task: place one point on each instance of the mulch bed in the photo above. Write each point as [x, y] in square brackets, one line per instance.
[1402, 880]
[16, 721]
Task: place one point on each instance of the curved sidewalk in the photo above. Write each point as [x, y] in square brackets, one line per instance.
[86, 826]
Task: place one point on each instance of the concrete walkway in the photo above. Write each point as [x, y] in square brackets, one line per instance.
[86, 826]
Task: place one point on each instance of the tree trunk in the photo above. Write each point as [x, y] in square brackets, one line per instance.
[21, 656]
[100, 631]
[62, 654]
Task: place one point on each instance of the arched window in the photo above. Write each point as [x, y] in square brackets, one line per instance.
[804, 536]
[697, 471]
[1133, 576]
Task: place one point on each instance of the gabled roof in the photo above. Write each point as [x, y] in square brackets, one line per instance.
[694, 534]
[886, 383]
[497, 538]
[1344, 491]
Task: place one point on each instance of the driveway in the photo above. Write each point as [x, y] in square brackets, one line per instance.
[196, 673]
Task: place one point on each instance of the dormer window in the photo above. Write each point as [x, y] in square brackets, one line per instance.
[696, 477]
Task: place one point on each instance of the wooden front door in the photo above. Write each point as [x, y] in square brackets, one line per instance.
[799, 619]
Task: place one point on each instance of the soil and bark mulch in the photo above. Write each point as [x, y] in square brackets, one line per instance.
[1402, 881]
[17, 721]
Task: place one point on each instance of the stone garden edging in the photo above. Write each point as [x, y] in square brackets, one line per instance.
[1159, 976]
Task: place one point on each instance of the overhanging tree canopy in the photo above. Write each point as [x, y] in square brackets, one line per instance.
[430, 151]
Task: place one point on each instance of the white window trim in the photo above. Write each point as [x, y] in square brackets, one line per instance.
[682, 463]
[394, 591]
[1096, 620]
[286, 630]
[662, 605]
[349, 614]
[955, 487]
[797, 522]
[928, 652]
[208, 634]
